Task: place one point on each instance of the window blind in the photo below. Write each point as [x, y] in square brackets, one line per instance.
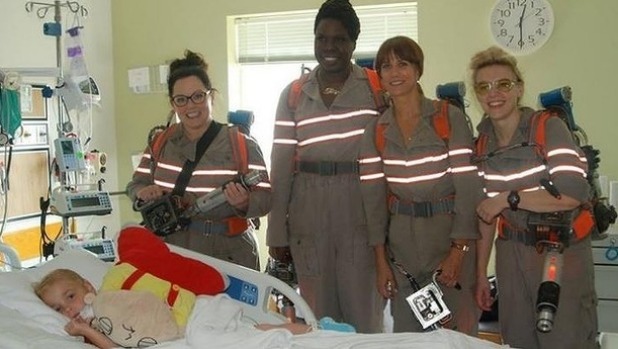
[287, 37]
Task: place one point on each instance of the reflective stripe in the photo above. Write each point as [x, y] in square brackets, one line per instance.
[372, 176]
[562, 151]
[370, 160]
[257, 167]
[496, 193]
[285, 123]
[286, 141]
[416, 162]
[463, 169]
[143, 170]
[566, 168]
[330, 137]
[514, 176]
[331, 117]
[462, 151]
[418, 178]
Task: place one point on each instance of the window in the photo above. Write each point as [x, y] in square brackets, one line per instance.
[271, 50]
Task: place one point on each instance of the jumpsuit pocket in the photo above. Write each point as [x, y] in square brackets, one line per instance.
[305, 254]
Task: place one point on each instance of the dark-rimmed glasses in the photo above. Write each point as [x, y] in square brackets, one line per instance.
[503, 85]
[197, 97]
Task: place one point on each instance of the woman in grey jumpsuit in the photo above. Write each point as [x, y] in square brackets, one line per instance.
[317, 211]
[513, 174]
[225, 232]
[419, 193]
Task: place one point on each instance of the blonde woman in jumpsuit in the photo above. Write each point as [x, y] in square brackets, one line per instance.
[515, 171]
[419, 193]
[317, 211]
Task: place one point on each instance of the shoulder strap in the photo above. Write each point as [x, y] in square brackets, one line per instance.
[295, 90]
[189, 166]
[481, 144]
[441, 122]
[239, 148]
[374, 85]
[379, 138]
[537, 131]
[159, 140]
[376, 89]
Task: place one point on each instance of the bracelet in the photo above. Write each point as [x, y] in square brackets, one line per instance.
[461, 247]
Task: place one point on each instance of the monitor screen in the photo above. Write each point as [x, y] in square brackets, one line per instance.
[92, 201]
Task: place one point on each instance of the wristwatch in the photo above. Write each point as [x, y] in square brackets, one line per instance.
[461, 247]
[513, 200]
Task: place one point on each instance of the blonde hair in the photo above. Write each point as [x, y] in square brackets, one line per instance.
[494, 56]
[55, 276]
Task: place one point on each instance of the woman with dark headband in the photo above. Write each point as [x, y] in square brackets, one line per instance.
[317, 214]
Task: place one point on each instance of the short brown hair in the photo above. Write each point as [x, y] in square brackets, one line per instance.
[402, 47]
[53, 277]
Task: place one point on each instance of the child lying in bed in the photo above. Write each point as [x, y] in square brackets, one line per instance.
[67, 292]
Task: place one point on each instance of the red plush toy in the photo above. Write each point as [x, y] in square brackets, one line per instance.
[141, 248]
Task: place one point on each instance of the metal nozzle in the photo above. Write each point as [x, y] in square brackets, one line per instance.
[545, 320]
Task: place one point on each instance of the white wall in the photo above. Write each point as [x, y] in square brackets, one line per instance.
[23, 45]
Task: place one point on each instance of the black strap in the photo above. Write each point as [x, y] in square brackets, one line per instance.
[189, 166]
[328, 168]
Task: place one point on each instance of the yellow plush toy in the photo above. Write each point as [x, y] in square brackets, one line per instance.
[124, 276]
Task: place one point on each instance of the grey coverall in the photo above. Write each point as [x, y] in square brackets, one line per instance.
[320, 215]
[207, 232]
[426, 170]
[519, 267]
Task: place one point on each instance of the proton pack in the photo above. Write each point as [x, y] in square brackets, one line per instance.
[559, 102]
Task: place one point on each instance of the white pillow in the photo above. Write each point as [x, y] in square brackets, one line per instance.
[16, 290]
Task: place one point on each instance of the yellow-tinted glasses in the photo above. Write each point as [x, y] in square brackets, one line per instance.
[503, 85]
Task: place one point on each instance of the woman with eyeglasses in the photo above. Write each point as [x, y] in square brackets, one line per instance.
[522, 181]
[419, 192]
[224, 232]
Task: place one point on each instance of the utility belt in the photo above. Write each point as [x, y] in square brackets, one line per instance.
[327, 168]
[229, 227]
[423, 209]
[551, 226]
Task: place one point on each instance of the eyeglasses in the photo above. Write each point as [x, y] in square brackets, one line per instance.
[197, 97]
[503, 85]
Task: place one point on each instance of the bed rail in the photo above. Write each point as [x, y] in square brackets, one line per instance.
[253, 290]
[9, 257]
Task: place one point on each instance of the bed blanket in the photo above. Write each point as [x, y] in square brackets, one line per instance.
[217, 322]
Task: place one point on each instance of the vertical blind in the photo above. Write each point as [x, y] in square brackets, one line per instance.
[286, 37]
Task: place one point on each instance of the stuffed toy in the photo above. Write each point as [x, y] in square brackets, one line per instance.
[146, 266]
[144, 250]
[133, 318]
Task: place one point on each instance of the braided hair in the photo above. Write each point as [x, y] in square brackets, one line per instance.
[192, 64]
[342, 11]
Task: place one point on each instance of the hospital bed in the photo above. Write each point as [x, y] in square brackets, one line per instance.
[25, 322]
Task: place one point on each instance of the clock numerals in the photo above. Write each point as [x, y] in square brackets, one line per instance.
[521, 26]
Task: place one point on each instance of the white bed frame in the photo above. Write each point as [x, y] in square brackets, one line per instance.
[253, 290]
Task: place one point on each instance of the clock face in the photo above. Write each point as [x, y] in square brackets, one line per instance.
[522, 26]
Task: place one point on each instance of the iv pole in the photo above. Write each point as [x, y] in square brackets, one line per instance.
[55, 29]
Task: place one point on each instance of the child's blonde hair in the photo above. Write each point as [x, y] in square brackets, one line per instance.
[53, 277]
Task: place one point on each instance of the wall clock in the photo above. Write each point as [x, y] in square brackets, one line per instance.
[521, 26]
